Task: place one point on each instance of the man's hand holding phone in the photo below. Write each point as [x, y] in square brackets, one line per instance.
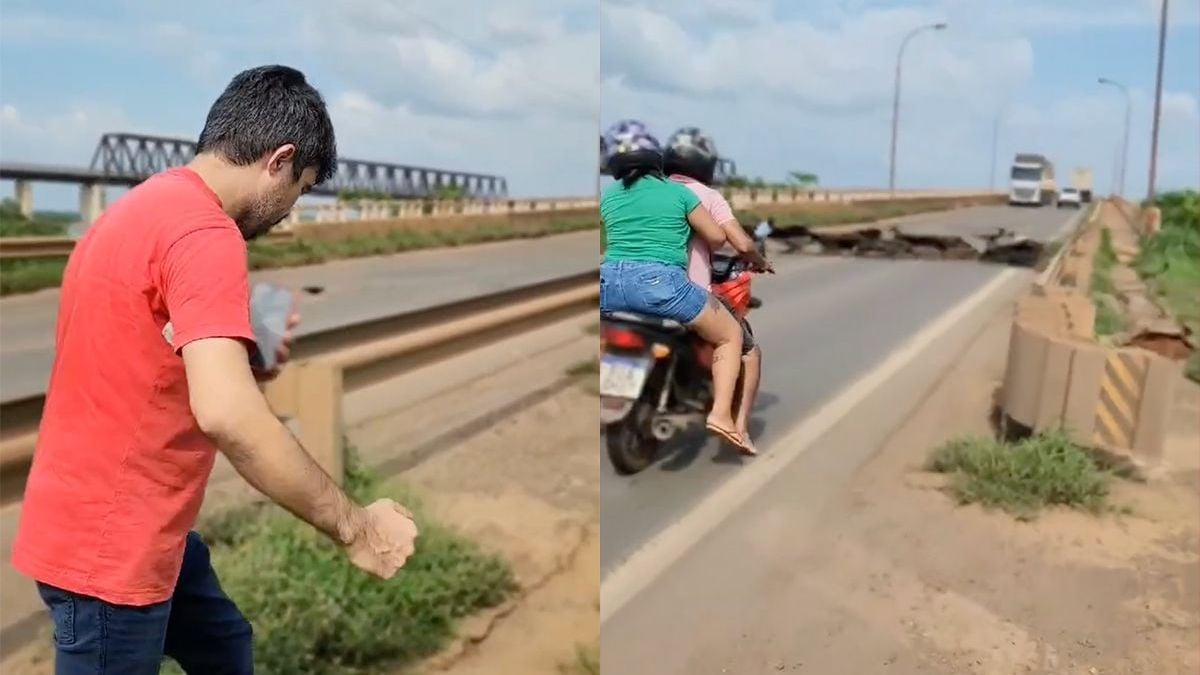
[282, 353]
[274, 319]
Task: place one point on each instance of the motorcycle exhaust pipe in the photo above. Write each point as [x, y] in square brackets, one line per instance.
[662, 430]
[663, 427]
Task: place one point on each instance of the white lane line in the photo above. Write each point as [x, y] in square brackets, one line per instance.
[657, 555]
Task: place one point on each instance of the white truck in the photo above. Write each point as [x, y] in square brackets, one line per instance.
[1081, 180]
[1032, 180]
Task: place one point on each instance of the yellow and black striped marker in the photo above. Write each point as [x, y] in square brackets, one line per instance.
[1120, 399]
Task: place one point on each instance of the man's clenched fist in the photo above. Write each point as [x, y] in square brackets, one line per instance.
[385, 540]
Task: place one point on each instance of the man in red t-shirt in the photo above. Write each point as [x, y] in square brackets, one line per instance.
[151, 376]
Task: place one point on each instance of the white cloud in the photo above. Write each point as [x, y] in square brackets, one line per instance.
[723, 12]
[1066, 16]
[522, 26]
[812, 91]
[548, 157]
[202, 57]
[845, 69]
[477, 87]
[509, 90]
[65, 137]
[1181, 106]
[482, 62]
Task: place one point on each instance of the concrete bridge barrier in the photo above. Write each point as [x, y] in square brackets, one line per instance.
[1117, 400]
[1114, 399]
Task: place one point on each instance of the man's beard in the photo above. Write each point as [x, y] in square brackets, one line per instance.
[263, 216]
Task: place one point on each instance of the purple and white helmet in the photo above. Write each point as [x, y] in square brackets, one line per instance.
[629, 141]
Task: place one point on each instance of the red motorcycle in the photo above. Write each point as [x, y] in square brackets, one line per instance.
[655, 374]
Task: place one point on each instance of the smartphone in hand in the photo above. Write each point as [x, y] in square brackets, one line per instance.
[270, 307]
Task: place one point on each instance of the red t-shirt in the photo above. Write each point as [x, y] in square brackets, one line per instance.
[121, 466]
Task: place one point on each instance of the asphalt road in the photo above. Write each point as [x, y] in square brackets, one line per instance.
[353, 290]
[1035, 223]
[824, 322]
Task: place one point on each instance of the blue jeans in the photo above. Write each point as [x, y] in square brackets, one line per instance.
[653, 288]
[199, 627]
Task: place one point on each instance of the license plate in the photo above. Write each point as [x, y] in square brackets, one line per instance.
[623, 376]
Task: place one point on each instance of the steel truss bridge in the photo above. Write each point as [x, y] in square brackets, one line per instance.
[128, 159]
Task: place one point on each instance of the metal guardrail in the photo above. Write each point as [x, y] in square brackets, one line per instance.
[328, 363]
[35, 248]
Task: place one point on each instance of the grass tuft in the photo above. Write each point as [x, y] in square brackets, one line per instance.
[1110, 319]
[313, 612]
[1022, 478]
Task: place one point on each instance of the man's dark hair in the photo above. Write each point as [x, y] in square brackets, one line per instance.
[264, 108]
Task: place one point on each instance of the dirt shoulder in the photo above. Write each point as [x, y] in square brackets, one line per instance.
[528, 489]
[967, 590]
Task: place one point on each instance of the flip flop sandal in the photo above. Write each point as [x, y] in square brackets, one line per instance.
[730, 437]
[748, 450]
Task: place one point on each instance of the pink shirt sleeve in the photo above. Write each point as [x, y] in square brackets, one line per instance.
[719, 207]
[699, 254]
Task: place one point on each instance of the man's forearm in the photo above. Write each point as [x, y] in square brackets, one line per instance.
[270, 458]
[741, 242]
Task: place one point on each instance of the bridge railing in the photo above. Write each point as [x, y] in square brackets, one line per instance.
[370, 209]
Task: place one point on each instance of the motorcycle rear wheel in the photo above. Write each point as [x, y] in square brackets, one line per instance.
[631, 448]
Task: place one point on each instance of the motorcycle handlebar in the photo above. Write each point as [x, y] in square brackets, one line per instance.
[737, 264]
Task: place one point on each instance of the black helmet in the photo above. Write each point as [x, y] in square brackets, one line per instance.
[692, 153]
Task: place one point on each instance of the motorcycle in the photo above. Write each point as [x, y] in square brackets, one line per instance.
[655, 374]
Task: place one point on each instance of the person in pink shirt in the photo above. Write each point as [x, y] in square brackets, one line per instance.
[690, 159]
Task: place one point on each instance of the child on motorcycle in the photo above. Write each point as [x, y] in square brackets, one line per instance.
[648, 221]
[690, 159]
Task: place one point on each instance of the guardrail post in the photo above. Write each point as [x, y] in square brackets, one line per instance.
[319, 413]
[281, 392]
[24, 190]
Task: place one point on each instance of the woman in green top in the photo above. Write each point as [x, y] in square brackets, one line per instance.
[647, 223]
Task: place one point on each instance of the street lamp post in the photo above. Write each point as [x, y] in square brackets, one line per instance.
[995, 145]
[896, 99]
[1162, 44]
[1125, 142]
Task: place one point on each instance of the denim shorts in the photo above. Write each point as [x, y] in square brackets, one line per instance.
[653, 288]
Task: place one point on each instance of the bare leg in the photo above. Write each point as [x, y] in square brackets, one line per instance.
[751, 376]
[717, 326]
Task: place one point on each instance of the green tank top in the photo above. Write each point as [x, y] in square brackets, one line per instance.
[647, 222]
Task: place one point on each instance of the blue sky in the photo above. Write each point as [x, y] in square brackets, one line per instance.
[406, 81]
[807, 85]
[511, 87]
